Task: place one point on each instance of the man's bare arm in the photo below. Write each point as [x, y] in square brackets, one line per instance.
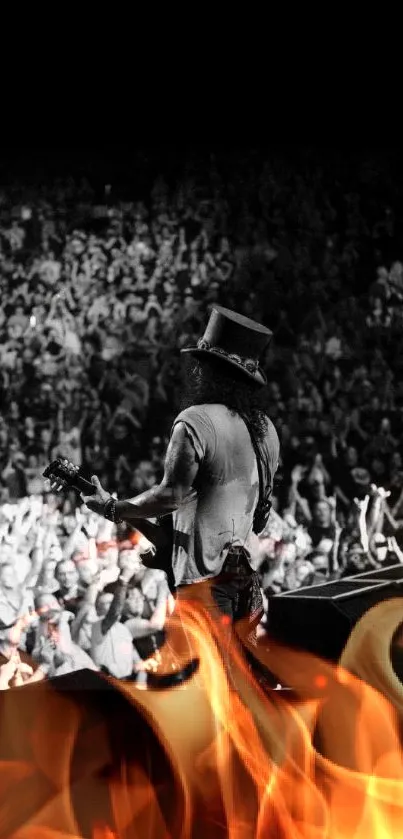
[181, 468]
[142, 628]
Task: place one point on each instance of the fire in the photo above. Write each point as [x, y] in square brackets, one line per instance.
[202, 760]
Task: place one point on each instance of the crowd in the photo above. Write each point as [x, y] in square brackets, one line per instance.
[97, 298]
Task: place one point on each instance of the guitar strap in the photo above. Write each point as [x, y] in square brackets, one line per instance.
[263, 507]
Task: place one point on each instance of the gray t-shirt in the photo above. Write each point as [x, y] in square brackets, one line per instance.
[227, 486]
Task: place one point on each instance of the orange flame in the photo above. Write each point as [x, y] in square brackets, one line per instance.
[240, 764]
[135, 537]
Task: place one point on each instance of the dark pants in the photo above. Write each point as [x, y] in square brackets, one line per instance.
[236, 593]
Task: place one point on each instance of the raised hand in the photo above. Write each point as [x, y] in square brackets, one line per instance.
[100, 579]
[36, 506]
[150, 665]
[362, 504]
[129, 563]
[332, 501]
[8, 669]
[25, 504]
[380, 492]
[297, 474]
[92, 526]
[40, 533]
[316, 475]
[80, 517]
[53, 519]
[22, 673]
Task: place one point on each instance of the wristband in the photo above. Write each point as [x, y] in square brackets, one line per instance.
[110, 511]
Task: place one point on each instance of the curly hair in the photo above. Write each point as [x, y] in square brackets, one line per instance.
[212, 381]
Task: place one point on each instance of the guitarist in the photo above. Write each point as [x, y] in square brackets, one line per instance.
[219, 469]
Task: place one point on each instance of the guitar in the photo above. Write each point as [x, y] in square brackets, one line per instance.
[160, 535]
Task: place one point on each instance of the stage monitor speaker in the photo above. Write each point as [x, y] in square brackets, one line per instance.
[320, 618]
[391, 572]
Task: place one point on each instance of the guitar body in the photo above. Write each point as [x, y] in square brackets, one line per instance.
[160, 535]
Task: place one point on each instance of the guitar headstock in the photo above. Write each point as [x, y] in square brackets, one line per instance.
[62, 470]
[62, 474]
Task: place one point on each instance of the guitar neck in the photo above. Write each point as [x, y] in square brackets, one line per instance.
[84, 486]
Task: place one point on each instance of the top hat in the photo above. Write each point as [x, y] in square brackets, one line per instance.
[235, 339]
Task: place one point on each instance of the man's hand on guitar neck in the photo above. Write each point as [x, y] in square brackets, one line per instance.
[96, 502]
[175, 489]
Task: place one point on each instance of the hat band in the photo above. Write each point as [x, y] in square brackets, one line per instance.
[250, 364]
